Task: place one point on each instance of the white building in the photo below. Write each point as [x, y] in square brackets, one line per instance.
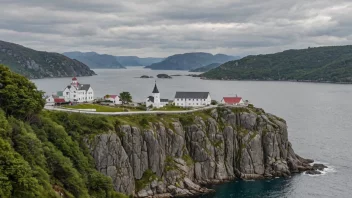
[155, 101]
[115, 99]
[77, 92]
[192, 99]
[50, 100]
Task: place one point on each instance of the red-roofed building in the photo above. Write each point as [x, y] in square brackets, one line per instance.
[113, 98]
[232, 100]
[59, 100]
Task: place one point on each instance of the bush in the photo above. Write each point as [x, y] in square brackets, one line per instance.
[214, 102]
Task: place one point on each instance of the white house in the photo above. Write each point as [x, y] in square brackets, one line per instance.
[155, 100]
[192, 99]
[50, 100]
[54, 100]
[77, 92]
[232, 101]
[115, 99]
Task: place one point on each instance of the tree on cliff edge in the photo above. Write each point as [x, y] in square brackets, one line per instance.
[19, 97]
[125, 97]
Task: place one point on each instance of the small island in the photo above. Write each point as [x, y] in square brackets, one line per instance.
[163, 76]
[145, 76]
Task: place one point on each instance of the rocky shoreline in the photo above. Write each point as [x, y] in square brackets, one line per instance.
[176, 157]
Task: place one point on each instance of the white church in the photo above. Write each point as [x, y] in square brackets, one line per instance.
[155, 101]
[76, 92]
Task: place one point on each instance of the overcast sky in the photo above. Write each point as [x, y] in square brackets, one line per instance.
[162, 28]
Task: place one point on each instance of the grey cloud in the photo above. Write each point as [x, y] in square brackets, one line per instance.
[162, 28]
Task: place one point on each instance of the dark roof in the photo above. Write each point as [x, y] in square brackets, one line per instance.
[155, 90]
[202, 95]
[83, 87]
[164, 100]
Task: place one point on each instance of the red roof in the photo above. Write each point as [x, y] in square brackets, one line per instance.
[232, 100]
[74, 78]
[113, 96]
[59, 100]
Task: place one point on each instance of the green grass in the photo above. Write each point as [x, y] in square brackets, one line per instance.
[101, 108]
[170, 108]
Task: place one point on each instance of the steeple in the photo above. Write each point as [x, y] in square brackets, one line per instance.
[155, 90]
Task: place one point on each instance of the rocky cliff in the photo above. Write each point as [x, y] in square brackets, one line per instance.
[176, 155]
[37, 64]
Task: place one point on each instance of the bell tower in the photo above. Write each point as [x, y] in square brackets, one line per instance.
[156, 96]
[74, 82]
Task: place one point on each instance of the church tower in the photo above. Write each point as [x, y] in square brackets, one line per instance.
[156, 96]
[74, 82]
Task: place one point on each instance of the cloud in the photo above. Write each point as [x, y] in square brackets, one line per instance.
[162, 28]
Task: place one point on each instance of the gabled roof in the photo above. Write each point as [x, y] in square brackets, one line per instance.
[59, 100]
[232, 100]
[83, 87]
[198, 95]
[113, 96]
[155, 90]
[74, 78]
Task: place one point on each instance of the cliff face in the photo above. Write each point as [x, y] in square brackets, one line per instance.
[174, 157]
[37, 64]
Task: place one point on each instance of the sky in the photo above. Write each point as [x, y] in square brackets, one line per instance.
[156, 28]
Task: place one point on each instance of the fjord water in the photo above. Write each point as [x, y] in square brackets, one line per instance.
[319, 118]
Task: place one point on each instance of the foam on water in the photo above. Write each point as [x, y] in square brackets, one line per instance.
[329, 169]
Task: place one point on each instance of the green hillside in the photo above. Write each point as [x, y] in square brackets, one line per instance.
[320, 64]
[206, 68]
[37, 64]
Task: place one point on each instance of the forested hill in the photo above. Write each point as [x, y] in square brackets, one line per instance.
[95, 60]
[319, 64]
[190, 61]
[37, 64]
[206, 68]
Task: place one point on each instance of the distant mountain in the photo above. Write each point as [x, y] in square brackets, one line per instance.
[319, 64]
[136, 61]
[189, 61]
[95, 60]
[37, 64]
[206, 68]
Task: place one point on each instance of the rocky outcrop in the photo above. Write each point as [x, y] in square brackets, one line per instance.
[173, 157]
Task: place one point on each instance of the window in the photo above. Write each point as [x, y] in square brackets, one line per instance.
[197, 103]
[74, 96]
[67, 93]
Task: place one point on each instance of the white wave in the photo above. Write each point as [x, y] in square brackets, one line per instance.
[329, 169]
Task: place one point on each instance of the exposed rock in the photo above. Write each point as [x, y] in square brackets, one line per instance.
[319, 167]
[313, 172]
[222, 145]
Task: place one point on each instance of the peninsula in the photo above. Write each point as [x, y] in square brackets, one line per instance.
[143, 155]
[319, 64]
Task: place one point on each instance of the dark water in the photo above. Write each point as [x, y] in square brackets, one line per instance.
[319, 118]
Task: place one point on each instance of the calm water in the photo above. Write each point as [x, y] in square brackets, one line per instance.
[319, 118]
